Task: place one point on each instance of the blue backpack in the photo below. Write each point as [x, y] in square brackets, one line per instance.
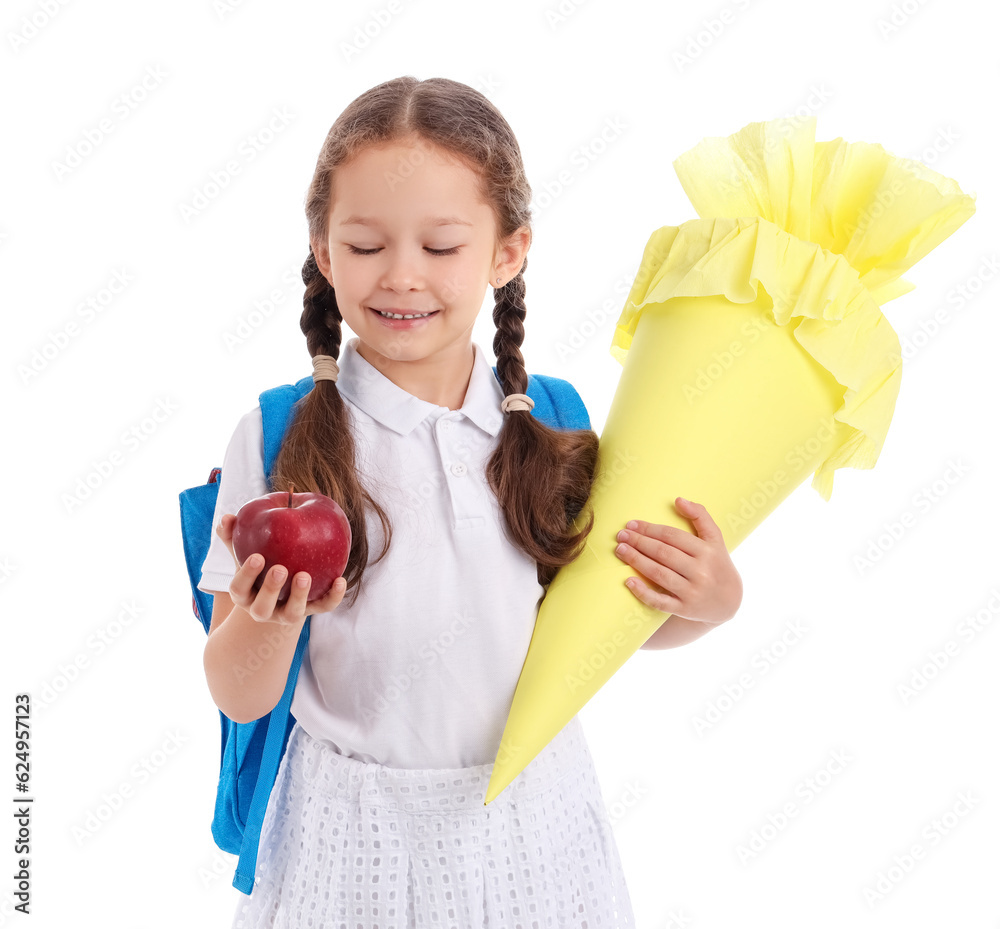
[252, 752]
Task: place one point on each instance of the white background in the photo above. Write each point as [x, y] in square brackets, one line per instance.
[682, 803]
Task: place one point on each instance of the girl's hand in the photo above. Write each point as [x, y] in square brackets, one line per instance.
[691, 576]
[262, 606]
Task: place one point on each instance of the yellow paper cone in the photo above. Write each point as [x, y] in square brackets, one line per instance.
[754, 354]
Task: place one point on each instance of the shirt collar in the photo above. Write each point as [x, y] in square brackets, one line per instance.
[386, 402]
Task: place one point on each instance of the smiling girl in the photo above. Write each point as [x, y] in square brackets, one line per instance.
[419, 202]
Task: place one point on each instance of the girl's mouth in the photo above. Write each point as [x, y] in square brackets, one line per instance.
[394, 323]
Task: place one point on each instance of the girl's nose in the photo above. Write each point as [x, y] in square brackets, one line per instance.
[401, 273]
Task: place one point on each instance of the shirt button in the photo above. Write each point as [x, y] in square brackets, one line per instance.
[445, 423]
[459, 469]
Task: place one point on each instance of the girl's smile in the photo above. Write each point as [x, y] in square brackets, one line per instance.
[404, 323]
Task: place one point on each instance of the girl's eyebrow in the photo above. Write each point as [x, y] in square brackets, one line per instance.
[428, 221]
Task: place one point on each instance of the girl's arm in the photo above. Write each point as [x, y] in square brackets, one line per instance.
[251, 639]
[247, 662]
[674, 631]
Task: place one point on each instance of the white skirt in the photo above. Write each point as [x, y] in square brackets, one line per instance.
[350, 845]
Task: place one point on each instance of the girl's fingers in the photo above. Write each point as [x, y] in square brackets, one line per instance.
[241, 587]
[263, 605]
[262, 608]
[294, 608]
[225, 528]
[331, 600]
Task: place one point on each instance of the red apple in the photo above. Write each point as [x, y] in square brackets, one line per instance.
[302, 532]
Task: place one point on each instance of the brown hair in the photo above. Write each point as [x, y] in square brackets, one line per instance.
[542, 477]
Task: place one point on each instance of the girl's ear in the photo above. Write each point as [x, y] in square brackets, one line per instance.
[322, 255]
[511, 256]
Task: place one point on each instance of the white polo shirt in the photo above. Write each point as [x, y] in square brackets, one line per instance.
[421, 672]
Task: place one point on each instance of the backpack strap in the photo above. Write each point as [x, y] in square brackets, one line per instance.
[279, 727]
[557, 403]
[197, 512]
[276, 406]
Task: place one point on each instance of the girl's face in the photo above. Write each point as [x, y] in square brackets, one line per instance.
[409, 234]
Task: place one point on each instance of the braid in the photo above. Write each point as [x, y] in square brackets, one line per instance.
[318, 450]
[529, 454]
[321, 319]
[508, 316]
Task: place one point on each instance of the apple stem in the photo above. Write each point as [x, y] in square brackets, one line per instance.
[291, 487]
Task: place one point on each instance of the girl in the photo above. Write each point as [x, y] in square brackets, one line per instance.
[376, 818]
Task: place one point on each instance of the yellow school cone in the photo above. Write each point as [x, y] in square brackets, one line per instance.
[754, 354]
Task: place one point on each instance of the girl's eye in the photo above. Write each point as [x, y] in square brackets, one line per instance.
[433, 251]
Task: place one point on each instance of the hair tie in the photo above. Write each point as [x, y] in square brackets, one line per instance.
[325, 368]
[517, 402]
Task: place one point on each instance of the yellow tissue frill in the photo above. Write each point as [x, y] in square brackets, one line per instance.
[872, 215]
[754, 354]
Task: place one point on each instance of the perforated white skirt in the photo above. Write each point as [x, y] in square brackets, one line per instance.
[350, 845]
